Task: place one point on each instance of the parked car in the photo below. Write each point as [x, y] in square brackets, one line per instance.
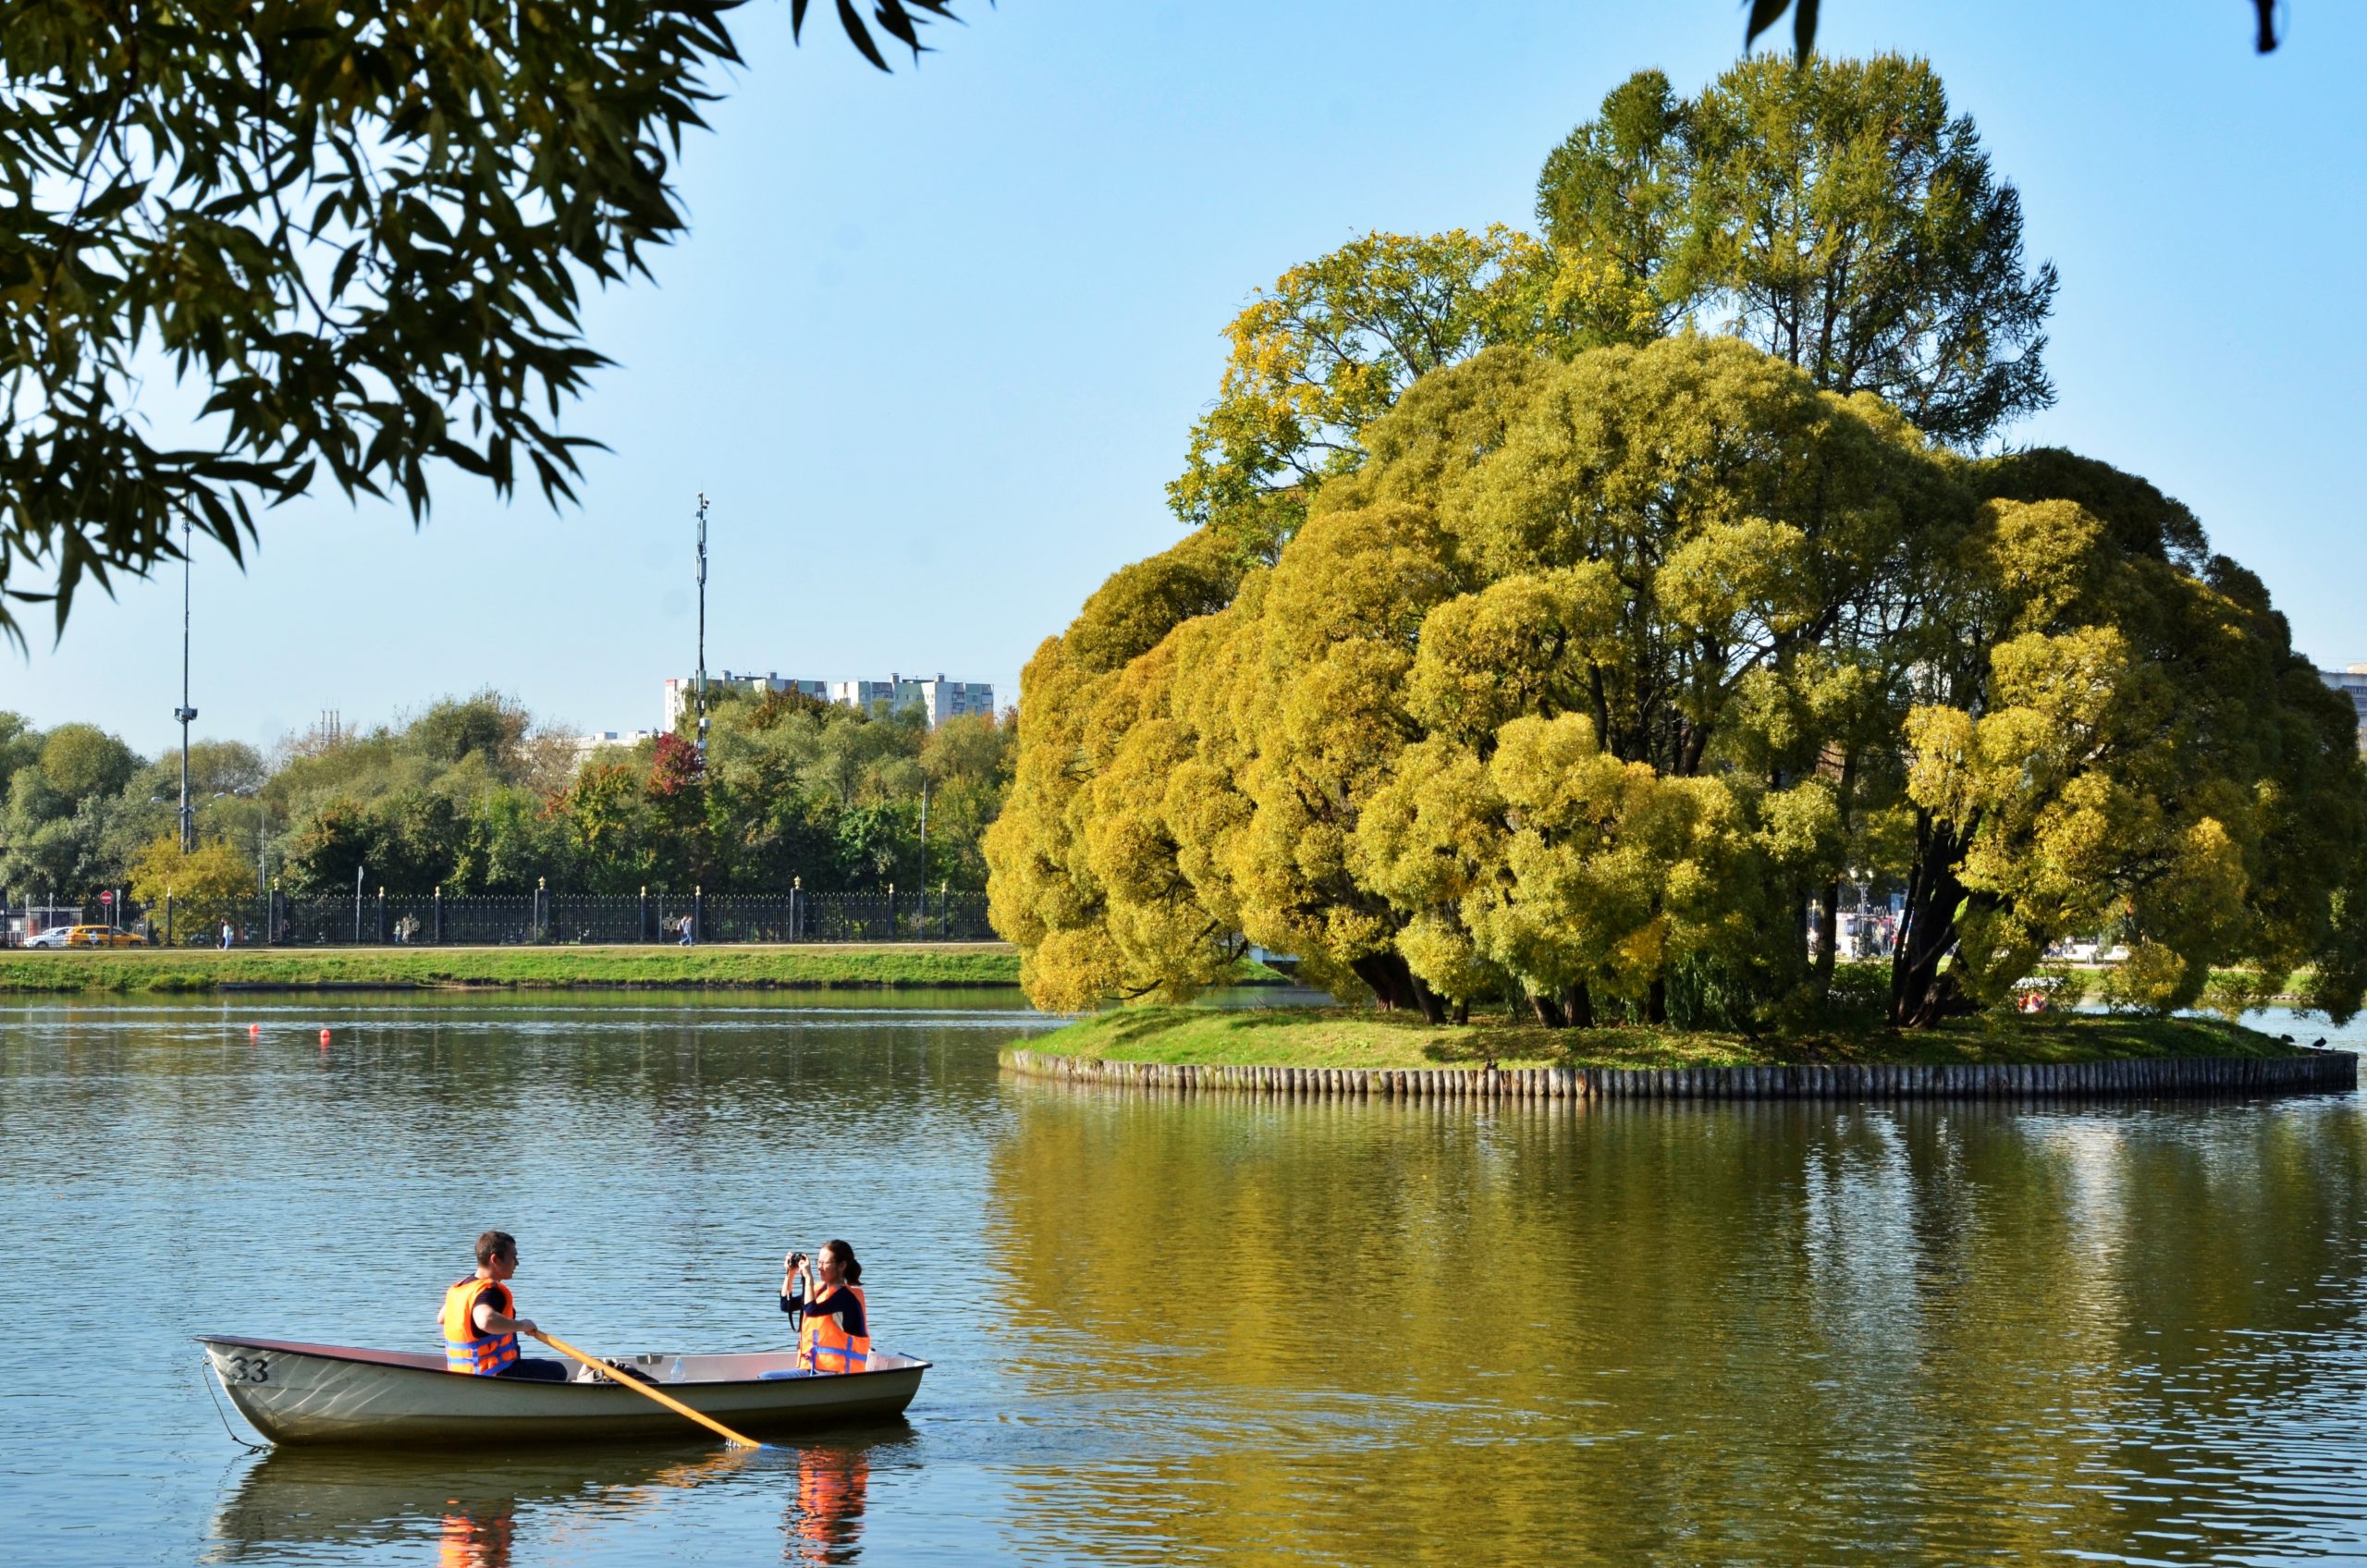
[100, 936]
[52, 938]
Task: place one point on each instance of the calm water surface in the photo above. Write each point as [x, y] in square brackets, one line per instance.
[1170, 1331]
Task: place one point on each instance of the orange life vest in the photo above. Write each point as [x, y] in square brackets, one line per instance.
[823, 1346]
[466, 1348]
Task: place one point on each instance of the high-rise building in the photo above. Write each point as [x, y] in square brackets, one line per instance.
[938, 698]
[935, 696]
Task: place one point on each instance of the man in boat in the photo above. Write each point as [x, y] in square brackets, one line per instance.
[480, 1321]
[826, 1294]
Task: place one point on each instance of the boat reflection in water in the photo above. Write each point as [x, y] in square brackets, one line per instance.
[479, 1508]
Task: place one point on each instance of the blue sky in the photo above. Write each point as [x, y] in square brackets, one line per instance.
[935, 340]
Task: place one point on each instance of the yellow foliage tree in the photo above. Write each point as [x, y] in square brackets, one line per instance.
[1595, 675]
[208, 886]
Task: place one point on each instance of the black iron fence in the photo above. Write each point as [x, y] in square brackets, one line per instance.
[432, 920]
[543, 917]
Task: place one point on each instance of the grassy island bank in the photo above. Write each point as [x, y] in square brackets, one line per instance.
[1347, 1038]
[809, 966]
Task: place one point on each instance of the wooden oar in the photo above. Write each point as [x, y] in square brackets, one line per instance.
[647, 1390]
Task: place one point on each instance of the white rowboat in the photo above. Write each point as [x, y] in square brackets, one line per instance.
[307, 1393]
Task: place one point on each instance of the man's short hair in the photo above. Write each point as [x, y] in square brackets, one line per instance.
[496, 1241]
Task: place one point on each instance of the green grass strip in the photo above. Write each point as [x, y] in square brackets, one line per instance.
[1347, 1038]
[815, 966]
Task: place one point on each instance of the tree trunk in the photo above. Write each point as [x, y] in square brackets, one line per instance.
[1828, 918]
[1433, 1005]
[1463, 1010]
[1579, 1003]
[1927, 930]
[1656, 1003]
[1395, 986]
[1548, 1011]
[1385, 972]
[1828, 935]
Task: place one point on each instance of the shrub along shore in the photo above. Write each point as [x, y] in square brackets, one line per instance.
[808, 966]
[1344, 1038]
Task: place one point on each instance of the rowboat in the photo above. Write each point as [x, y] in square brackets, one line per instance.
[307, 1393]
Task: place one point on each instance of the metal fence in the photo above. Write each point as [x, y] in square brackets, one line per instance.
[432, 920]
[576, 918]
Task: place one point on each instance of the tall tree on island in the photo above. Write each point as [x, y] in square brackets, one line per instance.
[1596, 669]
[1836, 215]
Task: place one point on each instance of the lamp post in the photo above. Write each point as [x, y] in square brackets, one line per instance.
[698, 682]
[185, 713]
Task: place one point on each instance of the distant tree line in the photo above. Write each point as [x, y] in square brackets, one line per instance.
[472, 797]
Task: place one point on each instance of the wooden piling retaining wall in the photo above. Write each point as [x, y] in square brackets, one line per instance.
[2312, 1072]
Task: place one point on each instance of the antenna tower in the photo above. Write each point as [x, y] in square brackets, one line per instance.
[699, 684]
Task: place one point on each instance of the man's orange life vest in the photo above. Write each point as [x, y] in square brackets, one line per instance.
[823, 1346]
[467, 1349]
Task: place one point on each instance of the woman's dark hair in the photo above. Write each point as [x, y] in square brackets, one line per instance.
[846, 1260]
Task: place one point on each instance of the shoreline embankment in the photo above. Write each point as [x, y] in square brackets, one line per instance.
[2309, 1072]
[1358, 1052]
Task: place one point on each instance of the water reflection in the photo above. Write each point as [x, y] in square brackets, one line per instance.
[825, 1524]
[292, 1501]
[1780, 1332]
[502, 1509]
[1181, 1330]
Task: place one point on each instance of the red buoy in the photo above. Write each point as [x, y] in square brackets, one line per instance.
[254, 1029]
[324, 1036]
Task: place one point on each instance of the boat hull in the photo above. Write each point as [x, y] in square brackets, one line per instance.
[295, 1392]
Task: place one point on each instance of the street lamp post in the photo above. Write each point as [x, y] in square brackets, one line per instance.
[185, 713]
[698, 683]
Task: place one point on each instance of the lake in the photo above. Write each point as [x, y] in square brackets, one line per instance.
[1170, 1330]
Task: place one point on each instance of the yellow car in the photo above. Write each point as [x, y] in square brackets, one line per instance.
[104, 937]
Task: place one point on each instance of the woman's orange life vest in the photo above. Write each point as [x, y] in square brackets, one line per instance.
[467, 1349]
[823, 1346]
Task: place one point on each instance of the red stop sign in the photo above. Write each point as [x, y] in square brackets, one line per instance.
[107, 897]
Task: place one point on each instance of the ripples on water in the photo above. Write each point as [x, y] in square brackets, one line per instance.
[1170, 1330]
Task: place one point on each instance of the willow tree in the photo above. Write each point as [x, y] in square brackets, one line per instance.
[1839, 215]
[2114, 734]
[1679, 552]
[1598, 669]
[1327, 350]
[359, 231]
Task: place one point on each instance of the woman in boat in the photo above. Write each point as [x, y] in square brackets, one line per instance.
[826, 1294]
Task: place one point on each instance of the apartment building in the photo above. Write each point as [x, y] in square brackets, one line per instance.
[935, 696]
